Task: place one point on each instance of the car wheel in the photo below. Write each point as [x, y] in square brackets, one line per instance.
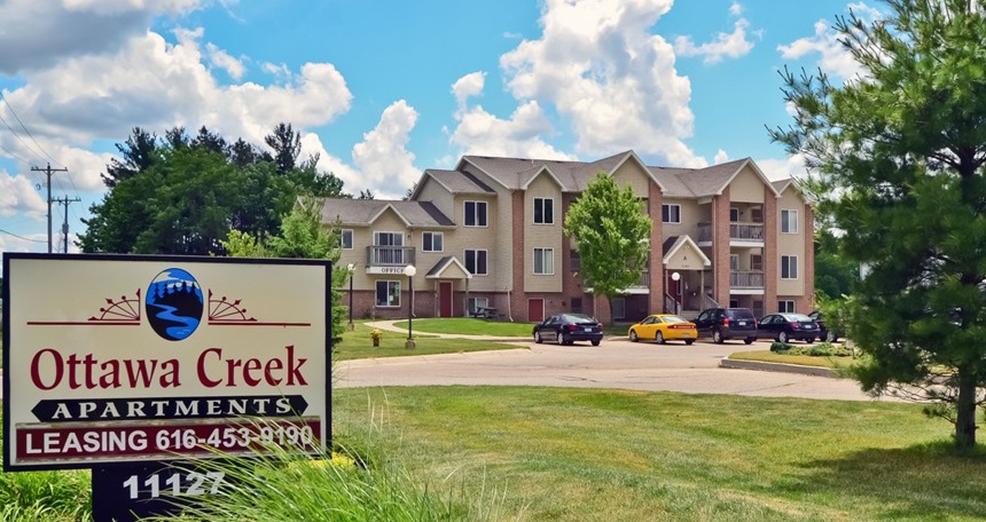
[563, 339]
[749, 340]
[633, 336]
[831, 337]
[596, 343]
[689, 341]
[782, 337]
[660, 338]
[537, 338]
[717, 337]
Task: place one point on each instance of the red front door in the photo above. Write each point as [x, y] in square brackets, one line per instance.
[535, 310]
[445, 299]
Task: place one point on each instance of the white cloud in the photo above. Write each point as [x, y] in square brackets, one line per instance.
[720, 157]
[833, 58]
[44, 33]
[219, 58]
[777, 169]
[19, 195]
[481, 133]
[600, 67]
[382, 158]
[468, 86]
[736, 9]
[732, 45]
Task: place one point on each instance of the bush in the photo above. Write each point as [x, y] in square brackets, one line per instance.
[825, 349]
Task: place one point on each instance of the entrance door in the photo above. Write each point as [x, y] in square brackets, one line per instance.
[445, 299]
[535, 310]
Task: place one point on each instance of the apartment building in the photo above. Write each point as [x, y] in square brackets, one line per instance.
[487, 237]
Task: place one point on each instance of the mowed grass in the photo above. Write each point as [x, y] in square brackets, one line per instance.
[359, 345]
[604, 455]
[827, 361]
[469, 326]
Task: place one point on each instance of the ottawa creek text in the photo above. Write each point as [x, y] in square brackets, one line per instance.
[51, 369]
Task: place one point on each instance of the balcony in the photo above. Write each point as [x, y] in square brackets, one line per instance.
[388, 259]
[746, 281]
[740, 234]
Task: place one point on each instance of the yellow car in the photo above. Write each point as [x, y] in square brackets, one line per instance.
[663, 327]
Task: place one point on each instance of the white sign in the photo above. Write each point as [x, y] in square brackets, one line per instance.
[111, 359]
[391, 270]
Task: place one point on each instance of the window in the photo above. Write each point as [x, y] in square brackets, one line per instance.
[785, 307]
[789, 221]
[734, 262]
[756, 262]
[671, 213]
[734, 214]
[346, 238]
[388, 248]
[789, 267]
[475, 214]
[476, 262]
[544, 261]
[576, 305]
[432, 241]
[576, 259]
[544, 211]
[389, 293]
[474, 303]
[756, 215]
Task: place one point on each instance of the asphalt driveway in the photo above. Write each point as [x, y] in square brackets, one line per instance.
[617, 363]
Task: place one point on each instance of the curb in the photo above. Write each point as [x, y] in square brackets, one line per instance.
[777, 367]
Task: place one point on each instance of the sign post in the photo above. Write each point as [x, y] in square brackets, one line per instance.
[126, 364]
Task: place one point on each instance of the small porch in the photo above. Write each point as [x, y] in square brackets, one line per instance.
[684, 266]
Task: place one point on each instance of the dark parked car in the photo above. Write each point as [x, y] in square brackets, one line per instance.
[727, 323]
[788, 327]
[823, 332]
[568, 328]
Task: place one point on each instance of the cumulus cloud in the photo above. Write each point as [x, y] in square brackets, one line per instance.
[777, 169]
[18, 195]
[720, 157]
[44, 33]
[599, 66]
[219, 58]
[382, 157]
[731, 45]
[468, 86]
[833, 58]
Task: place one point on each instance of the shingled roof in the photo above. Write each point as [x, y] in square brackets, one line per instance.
[366, 211]
[517, 173]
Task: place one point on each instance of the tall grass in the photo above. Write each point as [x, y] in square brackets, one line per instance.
[45, 496]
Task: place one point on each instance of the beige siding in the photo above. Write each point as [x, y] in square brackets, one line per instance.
[691, 215]
[631, 173]
[432, 191]
[475, 238]
[791, 244]
[686, 258]
[543, 236]
[746, 187]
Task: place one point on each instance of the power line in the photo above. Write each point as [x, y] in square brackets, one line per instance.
[12, 111]
[2, 231]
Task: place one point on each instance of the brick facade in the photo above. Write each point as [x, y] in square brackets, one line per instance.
[770, 269]
[720, 249]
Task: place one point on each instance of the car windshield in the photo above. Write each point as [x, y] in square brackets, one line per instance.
[800, 318]
[739, 313]
[579, 318]
[673, 319]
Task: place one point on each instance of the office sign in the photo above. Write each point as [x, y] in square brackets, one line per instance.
[128, 359]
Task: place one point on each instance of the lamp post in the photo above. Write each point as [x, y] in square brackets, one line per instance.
[676, 277]
[409, 271]
[351, 267]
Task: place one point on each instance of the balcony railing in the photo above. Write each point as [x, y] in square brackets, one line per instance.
[389, 256]
[745, 279]
[737, 232]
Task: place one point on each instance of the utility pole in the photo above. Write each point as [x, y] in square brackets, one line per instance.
[49, 171]
[65, 201]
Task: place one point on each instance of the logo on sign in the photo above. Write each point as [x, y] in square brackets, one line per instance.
[174, 304]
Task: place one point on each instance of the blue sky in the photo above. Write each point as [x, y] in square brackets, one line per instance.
[383, 90]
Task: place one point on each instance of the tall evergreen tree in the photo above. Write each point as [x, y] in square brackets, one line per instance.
[899, 154]
[287, 146]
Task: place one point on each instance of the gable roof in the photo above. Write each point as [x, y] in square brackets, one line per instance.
[363, 212]
[673, 244]
[707, 181]
[572, 176]
[455, 182]
[443, 264]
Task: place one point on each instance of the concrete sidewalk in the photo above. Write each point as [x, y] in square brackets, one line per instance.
[388, 326]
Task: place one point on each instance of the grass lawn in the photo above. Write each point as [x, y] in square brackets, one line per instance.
[469, 326]
[358, 344]
[829, 361]
[554, 454]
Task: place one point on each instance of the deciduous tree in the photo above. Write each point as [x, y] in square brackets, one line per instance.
[898, 153]
[610, 232]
